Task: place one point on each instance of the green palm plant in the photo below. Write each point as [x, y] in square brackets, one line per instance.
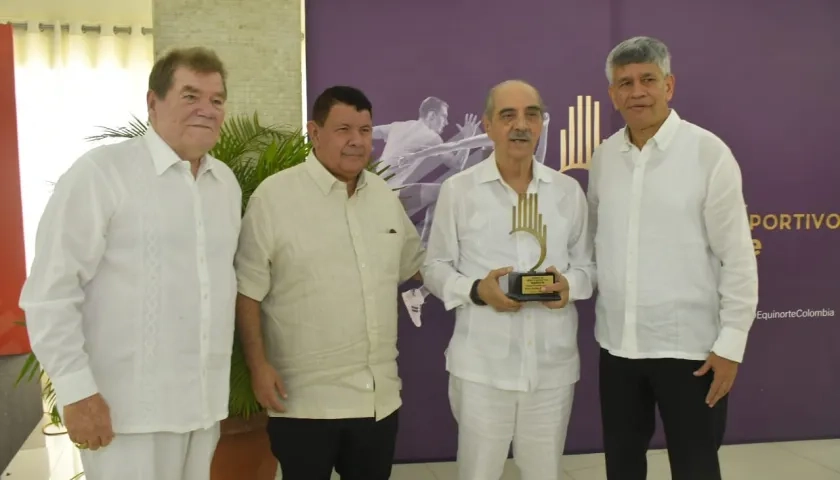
[253, 152]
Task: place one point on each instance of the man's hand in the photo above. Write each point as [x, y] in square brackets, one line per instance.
[561, 286]
[725, 371]
[268, 387]
[88, 422]
[491, 294]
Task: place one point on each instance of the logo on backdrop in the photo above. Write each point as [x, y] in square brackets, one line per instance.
[804, 313]
[584, 134]
[791, 222]
[418, 160]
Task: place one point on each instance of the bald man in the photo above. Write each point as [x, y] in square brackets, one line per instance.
[513, 365]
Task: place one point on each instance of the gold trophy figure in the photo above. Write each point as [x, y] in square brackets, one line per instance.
[527, 286]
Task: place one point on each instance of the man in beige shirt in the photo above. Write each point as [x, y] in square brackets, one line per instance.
[323, 249]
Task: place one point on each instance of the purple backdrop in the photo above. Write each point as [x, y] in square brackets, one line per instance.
[762, 75]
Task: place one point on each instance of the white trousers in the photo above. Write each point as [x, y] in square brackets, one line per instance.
[154, 456]
[489, 419]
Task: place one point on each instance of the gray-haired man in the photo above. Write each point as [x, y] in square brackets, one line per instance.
[676, 273]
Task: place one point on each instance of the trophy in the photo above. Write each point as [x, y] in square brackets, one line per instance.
[526, 286]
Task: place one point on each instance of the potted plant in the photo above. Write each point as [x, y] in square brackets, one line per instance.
[253, 152]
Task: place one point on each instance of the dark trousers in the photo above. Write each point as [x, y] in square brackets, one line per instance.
[630, 390]
[357, 448]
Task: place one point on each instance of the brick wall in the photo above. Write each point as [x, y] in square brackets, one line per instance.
[259, 41]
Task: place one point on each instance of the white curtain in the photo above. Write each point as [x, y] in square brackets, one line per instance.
[68, 83]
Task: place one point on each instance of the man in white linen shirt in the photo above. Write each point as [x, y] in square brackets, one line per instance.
[677, 276]
[323, 248]
[130, 301]
[512, 365]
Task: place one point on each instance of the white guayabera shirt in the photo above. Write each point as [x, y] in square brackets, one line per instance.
[536, 347]
[677, 273]
[132, 288]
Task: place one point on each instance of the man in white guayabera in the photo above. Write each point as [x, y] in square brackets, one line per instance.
[130, 301]
[512, 365]
[677, 276]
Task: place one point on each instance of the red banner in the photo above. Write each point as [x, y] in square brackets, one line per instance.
[13, 338]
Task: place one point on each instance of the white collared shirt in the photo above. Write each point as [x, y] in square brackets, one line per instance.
[325, 268]
[132, 288]
[677, 274]
[536, 347]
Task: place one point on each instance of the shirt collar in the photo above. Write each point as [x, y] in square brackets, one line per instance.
[488, 171]
[164, 156]
[663, 136]
[325, 180]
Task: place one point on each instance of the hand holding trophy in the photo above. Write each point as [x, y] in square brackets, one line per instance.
[533, 286]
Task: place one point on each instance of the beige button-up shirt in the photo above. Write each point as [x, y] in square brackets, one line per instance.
[326, 268]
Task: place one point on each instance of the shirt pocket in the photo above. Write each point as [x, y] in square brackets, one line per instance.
[386, 249]
[489, 335]
[475, 230]
[560, 338]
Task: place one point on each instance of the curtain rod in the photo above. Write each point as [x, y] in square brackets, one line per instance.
[85, 28]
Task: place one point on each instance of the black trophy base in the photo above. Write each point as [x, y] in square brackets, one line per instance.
[525, 287]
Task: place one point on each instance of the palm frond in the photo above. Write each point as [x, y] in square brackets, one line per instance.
[135, 128]
[31, 367]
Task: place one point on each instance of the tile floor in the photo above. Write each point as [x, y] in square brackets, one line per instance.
[45, 457]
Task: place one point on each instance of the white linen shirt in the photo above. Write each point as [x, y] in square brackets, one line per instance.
[536, 347]
[132, 290]
[677, 275]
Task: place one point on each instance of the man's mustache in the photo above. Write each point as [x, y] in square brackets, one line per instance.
[520, 135]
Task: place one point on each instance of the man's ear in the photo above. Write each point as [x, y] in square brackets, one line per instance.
[670, 80]
[485, 122]
[151, 100]
[611, 92]
[312, 131]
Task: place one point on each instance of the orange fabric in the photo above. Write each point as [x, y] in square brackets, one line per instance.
[13, 338]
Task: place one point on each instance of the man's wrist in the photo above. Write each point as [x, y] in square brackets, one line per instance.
[476, 299]
[255, 360]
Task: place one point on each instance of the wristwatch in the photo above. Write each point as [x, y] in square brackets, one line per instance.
[474, 294]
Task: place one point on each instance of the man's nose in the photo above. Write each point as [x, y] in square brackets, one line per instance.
[638, 90]
[206, 109]
[355, 138]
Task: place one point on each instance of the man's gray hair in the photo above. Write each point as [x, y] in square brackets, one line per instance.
[639, 50]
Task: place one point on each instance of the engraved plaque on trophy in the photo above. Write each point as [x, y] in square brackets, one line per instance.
[527, 286]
